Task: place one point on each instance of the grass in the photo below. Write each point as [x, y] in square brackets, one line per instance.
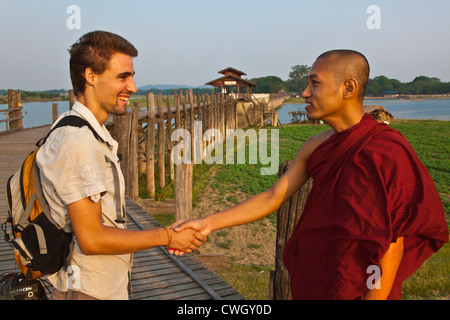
[430, 141]
[252, 282]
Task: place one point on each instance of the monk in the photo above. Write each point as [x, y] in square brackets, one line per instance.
[373, 215]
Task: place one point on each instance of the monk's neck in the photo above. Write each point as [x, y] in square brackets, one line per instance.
[346, 120]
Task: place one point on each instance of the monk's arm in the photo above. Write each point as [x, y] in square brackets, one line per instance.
[389, 265]
[266, 202]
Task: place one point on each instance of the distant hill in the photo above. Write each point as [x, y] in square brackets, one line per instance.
[169, 87]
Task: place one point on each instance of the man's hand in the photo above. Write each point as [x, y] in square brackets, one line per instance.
[187, 240]
[200, 226]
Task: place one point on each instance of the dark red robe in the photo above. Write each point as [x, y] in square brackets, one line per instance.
[369, 189]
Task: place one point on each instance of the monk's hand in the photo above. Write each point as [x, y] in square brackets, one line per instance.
[187, 240]
[200, 225]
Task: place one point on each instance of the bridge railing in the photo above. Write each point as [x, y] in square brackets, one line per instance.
[13, 114]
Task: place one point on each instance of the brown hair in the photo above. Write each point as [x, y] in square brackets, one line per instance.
[94, 50]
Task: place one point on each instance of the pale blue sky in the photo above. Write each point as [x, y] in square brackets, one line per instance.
[188, 41]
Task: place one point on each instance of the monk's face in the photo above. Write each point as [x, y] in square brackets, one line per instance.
[323, 95]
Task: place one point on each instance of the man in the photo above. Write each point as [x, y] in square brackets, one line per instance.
[82, 180]
[373, 214]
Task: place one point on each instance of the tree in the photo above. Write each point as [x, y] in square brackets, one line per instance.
[269, 84]
[298, 78]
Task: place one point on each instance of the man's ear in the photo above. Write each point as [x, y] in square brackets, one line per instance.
[89, 75]
[350, 88]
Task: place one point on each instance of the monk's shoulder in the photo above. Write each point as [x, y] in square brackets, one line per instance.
[389, 150]
[388, 141]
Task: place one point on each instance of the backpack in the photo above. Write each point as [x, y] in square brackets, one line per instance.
[40, 246]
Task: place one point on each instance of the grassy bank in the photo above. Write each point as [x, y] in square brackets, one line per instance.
[232, 183]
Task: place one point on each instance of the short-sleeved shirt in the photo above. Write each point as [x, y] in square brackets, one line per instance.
[75, 165]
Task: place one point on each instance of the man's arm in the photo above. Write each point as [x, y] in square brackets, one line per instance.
[95, 238]
[389, 265]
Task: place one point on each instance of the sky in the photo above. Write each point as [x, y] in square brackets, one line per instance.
[186, 42]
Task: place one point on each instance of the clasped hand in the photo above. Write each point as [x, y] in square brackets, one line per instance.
[188, 236]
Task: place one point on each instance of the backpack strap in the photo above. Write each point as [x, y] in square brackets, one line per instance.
[73, 121]
[120, 210]
[79, 122]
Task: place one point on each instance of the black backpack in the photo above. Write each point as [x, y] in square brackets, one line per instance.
[40, 246]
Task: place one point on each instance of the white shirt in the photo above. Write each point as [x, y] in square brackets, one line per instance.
[74, 166]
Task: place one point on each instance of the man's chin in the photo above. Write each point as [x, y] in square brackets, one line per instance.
[120, 110]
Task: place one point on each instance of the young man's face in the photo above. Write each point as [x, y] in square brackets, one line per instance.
[323, 96]
[115, 85]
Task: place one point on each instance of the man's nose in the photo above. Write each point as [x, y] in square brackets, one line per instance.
[131, 87]
[306, 93]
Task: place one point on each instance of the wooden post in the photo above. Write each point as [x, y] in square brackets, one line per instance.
[275, 119]
[71, 99]
[54, 112]
[133, 179]
[161, 141]
[151, 144]
[15, 110]
[287, 218]
[185, 114]
[142, 146]
[236, 116]
[169, 135]
[183, 191]
[192, 122]
[204, 120]
[177, 112]
[120, 134]
[222, 114]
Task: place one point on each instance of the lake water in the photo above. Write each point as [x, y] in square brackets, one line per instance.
[436, 109]
[37, 113]
[40, 113]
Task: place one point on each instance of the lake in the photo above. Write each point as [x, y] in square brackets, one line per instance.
[436, 109]
[37, 113]
[40, 113]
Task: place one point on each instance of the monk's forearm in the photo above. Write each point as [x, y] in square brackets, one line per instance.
[248, 211]
[389, 265]
[264, 203]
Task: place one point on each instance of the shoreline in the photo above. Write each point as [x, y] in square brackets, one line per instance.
[5, 101]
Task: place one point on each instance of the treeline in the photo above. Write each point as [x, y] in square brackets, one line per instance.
[297, 82]
[166, 92]
[420, 85]
[39, 95]
[377, 86]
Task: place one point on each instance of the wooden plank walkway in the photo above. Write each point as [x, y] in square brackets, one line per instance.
[156, 275]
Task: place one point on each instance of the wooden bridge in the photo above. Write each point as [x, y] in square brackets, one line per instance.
[155, 273]
[144, 143]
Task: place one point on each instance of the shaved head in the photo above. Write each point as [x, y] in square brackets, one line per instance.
[349, 64]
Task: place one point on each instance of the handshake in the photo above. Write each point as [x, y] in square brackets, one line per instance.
[187, 235]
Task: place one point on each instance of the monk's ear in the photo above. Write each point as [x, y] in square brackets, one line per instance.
[350, 88]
